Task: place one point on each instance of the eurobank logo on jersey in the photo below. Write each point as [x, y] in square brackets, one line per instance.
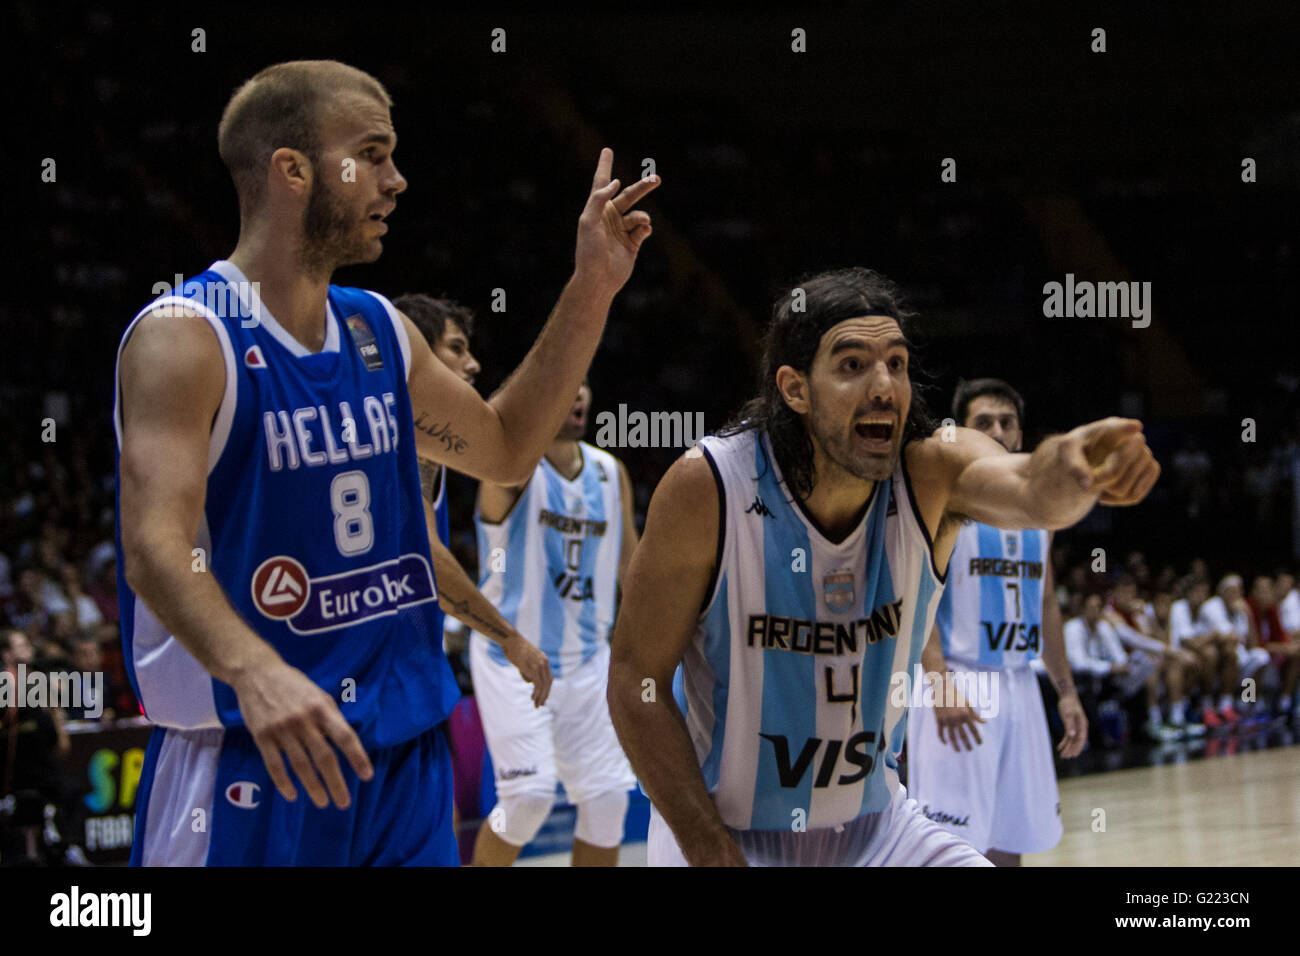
[283, 591]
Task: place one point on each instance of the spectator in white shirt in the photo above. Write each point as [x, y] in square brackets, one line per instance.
[1187, 631]
[1092, 645]
[1288, 603]
[1146, 627]
[1227, 618]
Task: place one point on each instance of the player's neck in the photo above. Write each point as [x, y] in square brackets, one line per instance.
[838, 500]
[565, 457]
[837, 508]
[296, 299]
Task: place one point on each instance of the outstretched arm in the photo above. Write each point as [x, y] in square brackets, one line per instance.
[1105, 462]
[666, 584]
[501, 440]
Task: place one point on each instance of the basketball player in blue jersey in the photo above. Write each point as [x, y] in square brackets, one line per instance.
[552, 552]
[792, 565]
[276, 595]
[996, 614]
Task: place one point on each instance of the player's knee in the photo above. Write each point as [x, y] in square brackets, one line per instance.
[600, 819]
[518, 816]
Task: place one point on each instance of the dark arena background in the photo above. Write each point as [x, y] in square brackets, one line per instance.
[972, 153]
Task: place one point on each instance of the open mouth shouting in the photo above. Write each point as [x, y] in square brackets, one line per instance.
[876, 431]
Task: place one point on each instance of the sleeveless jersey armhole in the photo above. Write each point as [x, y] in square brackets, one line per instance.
[711, 593]
[920, 521]
[221, 423]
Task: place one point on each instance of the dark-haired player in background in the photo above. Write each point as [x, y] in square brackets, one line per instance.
[997, 614]
[552, 554]
[447, 326]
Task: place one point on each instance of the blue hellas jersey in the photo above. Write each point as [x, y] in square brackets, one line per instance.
[794, 685]
[991, 614]
[312, 522]
[551, 566]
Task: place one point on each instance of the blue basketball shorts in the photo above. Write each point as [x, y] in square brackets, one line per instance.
[206, 799]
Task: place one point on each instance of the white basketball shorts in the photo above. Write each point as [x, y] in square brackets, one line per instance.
[1002, 794]
[896, 836]
[569, 738]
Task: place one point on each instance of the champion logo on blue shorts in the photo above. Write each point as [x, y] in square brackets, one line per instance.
[243, 794]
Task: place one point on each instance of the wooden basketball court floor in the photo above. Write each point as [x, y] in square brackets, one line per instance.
[1238, 810]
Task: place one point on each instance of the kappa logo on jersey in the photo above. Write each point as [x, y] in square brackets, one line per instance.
[243, 794]
[600, 471]
[253, 357]
[283, 591]
[1011, 546]
[837, 587]
[365, 342]
[280, 587]
[758, 508]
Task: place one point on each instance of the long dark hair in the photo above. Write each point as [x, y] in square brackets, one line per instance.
[792, 339]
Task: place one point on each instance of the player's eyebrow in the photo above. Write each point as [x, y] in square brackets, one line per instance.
[382, 137]
[854, 342]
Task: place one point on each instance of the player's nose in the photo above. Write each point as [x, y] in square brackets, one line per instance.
[395, 182]
[880, 387]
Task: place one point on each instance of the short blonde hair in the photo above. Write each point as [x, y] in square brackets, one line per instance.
[282, 106]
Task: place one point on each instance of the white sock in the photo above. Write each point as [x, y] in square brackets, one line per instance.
[1284, 704]
[1153, 714]
[1225, 702]
[1177, 712]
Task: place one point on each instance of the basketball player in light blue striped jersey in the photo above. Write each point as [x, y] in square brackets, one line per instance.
[997, 614]
[792, 565]
[551, 555]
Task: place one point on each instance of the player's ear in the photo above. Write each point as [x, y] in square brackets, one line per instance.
[793, 386]
[292, 170]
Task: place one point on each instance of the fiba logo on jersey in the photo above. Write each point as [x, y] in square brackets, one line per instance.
[280, 587]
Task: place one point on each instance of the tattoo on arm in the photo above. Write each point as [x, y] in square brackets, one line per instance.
[1063, 685]
[428, 478]
[450, 440]
[462, 612]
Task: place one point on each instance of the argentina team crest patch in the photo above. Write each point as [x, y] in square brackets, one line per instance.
[365, 342]
[837, 587]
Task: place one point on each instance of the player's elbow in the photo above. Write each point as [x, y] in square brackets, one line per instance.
[141, 548]
[135, 562]
[623, 685]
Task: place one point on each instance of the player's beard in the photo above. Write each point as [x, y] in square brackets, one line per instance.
[570, 431]
[330, 235]
[837, 444]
